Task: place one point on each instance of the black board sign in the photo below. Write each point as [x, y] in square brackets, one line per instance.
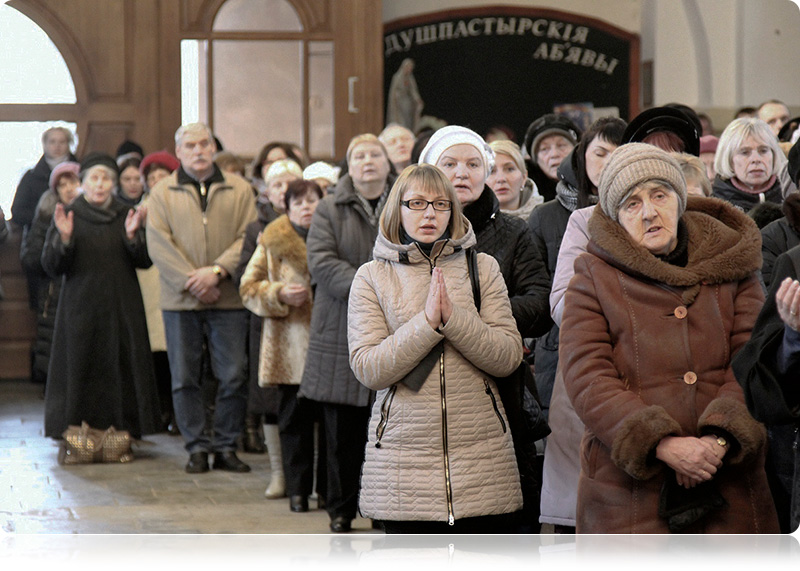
[506, 66]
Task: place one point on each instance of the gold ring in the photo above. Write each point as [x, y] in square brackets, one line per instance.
[793, 313]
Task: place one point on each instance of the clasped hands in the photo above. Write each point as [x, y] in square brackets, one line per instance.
[203, 283]
[695, 460]
[293, 294]
[438, 307]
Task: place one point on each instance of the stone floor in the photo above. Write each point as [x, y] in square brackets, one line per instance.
[151, 513]
[152, 494]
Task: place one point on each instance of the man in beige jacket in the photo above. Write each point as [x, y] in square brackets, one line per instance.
[196, 222]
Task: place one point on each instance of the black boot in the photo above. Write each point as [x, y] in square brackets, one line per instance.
[254, 434]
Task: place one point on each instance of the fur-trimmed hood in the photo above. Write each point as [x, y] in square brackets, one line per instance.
[724, 245]
[282, 241]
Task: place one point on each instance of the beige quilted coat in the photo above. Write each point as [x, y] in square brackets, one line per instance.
[444, 452]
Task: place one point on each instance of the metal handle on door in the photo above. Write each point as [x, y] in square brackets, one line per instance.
[351, 95]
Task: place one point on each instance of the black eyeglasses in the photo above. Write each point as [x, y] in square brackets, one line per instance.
[419, 204]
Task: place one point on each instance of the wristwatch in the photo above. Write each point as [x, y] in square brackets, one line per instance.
[722, 442]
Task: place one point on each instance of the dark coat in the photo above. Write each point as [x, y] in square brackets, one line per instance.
[340, 240]
[772, 398]
[509, 240]
[724, 189]
[646, 354]
[101, 367]
[30, 189]
[548, 222]
[260, 400]
[780, 236]
[48, 289]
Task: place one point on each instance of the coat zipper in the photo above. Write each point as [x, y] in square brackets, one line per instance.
[451, 520]
[494, 405]
[386, 406]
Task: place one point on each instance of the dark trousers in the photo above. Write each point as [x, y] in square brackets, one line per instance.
[297, 418]
[345, 430]
[493, 524]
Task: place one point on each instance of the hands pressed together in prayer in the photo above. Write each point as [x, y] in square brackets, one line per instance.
[695, 460]
[787, 299]
[438, 307]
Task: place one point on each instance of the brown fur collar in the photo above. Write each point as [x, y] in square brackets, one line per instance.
[724, 246]
[282, 241]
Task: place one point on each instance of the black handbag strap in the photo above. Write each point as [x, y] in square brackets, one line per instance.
[474, 279]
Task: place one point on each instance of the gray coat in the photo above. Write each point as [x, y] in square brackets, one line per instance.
[340, 240]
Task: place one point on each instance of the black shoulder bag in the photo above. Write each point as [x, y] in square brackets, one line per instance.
[525, 417]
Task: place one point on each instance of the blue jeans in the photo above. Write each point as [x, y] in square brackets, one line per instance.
[226, 335]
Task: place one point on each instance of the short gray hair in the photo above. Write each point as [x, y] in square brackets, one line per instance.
[733, 137]
[183, 130]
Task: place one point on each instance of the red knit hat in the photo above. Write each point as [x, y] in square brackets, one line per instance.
[162, 158]
[708, 144]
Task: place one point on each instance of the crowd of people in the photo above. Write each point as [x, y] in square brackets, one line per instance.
[360, 322]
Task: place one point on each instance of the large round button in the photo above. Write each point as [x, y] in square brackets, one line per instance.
[690, 378]
[680, 312]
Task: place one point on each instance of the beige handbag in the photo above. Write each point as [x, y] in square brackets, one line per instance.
[86, 445]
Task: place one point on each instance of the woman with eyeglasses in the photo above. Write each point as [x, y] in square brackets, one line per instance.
[439, 456]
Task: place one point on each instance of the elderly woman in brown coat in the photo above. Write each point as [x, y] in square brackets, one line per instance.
[664, 298]
[439, 458]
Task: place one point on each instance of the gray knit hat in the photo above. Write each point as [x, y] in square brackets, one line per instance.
[632, 164]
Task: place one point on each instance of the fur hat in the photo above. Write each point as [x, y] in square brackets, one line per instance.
[664, 119]
[60, 170]
[546, 125]
[98, 159]
[163, 158]
[632, 164]
[451, 135]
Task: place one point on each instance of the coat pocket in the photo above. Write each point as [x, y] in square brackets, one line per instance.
[386, 407]
[494, 405]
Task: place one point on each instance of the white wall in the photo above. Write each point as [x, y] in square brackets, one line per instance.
[715, 55]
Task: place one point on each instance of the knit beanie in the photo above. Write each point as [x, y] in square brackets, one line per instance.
[629, 166]
[451, 135]
[98, 159]
[708, 144]
[60, 170]
[161, 158]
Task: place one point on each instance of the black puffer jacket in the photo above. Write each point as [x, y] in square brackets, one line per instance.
[509, 240]
[31, 187]
[47, 288]
[724, 189]
[780, 236]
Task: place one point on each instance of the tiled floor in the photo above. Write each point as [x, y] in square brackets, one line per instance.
[152, 494]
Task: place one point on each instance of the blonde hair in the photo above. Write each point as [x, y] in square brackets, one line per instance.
[421, 176]
[511, 149]
[281, 167]
[694, 171]
[734, 135]
[365, 138]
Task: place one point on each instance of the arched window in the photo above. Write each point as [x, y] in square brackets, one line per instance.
[35, 76]
[287, 70]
